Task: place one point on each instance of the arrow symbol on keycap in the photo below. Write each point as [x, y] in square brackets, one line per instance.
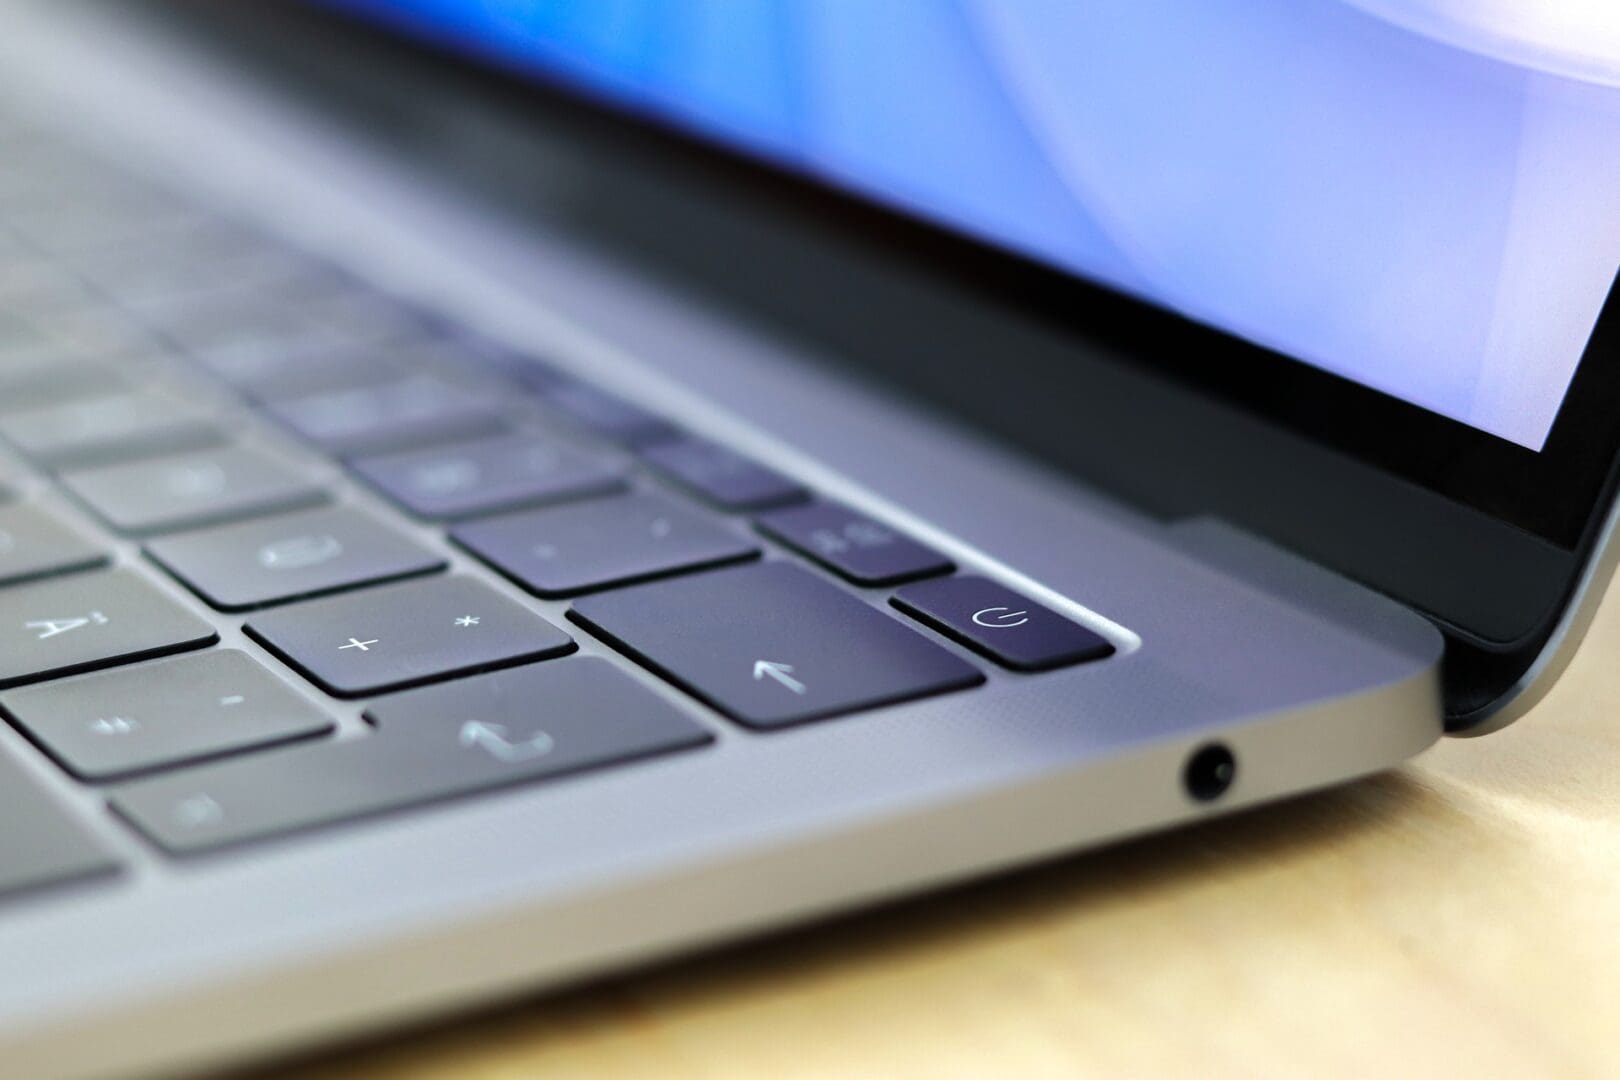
[114, 725]
[782, 673]
[492, 738]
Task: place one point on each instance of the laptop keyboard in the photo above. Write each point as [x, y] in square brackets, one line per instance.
[129, 720]
[594, 545]
[406, 634]
[203, 429]
[62, 625]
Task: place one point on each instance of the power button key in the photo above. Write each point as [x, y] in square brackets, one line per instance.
[993, 620]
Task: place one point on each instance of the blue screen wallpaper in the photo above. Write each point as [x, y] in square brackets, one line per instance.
[1421, 195]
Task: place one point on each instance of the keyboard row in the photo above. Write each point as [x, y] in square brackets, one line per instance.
[720, 636]
[80, 618]
[139, 357]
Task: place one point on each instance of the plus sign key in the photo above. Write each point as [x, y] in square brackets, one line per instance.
[403, 635]
[87, 621]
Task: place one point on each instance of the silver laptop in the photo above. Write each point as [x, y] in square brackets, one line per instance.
[495, 493]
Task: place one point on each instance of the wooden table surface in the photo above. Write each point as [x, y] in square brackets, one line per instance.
[1460, 915]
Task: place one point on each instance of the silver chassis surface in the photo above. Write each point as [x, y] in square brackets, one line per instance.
[184, 964]
[1559, 650]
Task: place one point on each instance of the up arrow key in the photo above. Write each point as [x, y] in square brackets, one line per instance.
[782, 673]
[849, 655]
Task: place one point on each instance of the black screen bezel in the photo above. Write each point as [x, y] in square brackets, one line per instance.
[1551, 493]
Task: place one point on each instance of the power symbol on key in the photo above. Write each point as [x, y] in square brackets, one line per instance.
[1000, 618]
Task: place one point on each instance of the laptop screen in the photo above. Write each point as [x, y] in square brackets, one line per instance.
[1418, 195]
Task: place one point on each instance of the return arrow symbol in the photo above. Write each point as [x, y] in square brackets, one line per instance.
[493, 739]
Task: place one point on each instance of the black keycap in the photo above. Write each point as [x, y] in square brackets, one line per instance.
[721, 476]
[607, 416]
[35, 543]
[566, 550]
[509, 727]
[168, 712]
[853, 545]
[413, 411]
[772, 645]
[83, 621]
[188, 490]
[471, 478]
[40, 844]
[255, 563]
[110, 428]
[402, 635]
[993, 620]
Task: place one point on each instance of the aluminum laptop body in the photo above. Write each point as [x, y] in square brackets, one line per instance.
[1263, 577]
